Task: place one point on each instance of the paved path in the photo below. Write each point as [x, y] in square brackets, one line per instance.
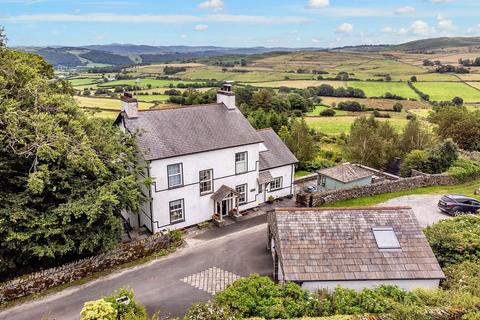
[171, 283]
[424, 206]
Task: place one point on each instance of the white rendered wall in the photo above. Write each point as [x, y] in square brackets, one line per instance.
[287, 189]
[201, 208]
[362, 284]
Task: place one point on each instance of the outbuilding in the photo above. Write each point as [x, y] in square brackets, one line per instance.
[351, 247]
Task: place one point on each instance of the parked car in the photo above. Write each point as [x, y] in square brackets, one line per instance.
[311, 189]
[457, 204]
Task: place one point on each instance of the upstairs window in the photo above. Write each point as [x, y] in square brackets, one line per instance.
[386, 238]
[242, 189]
[241, 163]
[175, 175]
[206, 181]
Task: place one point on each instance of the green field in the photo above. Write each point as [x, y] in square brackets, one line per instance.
[83, 81]
[378, 89]
[152, 98]
[337, 125]
[298, 84]
[251, 76]
[445, 91]
[144, 83]
[106, 103]
[316, 111]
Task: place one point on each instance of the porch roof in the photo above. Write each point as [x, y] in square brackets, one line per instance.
[264, 177]
[222, 192]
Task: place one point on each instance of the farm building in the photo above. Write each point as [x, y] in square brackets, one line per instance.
[352, 247]
[206, 162]
[347, 175]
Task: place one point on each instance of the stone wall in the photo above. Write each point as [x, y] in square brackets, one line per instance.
[326, 197]
[42, 280]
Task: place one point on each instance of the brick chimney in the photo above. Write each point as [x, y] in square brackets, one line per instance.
[129, 105]
[226, 96]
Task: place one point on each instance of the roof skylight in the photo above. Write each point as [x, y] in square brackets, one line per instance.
[386, 238]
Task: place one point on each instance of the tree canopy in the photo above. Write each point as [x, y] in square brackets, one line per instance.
[65, 174]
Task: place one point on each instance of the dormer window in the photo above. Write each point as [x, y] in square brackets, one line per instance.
[386, 238]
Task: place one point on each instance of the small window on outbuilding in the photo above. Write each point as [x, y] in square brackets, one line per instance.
[386, 238]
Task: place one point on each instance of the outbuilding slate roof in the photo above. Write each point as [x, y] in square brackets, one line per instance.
[166, 133]
[316, 244]
[277, 154]
[346, 172]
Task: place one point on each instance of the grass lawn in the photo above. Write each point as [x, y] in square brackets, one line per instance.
[144, 83]
[445, 91]
[247, 77]
[301, 173]
[106, 103]
[337, 125]
[378, 89]
[316, 111]
[298, 84]
[382, 104]
[422, 113]
[464, 188]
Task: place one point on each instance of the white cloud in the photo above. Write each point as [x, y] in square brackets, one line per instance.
[315, 40]
[345, 28]
[441, 1]
[216, 5]
[201, 27]
[387, 29]
[99, 38]
[420, 27]
[183, 36]
[148, 18]
[444, 24]
[405, 10]
[474, 29]
[316, 4]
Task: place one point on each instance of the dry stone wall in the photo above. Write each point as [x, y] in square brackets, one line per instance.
[326, 197]
[42, 280]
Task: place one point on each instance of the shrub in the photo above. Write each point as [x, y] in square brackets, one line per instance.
[257, 296]
[464, 169]
[209, 311]
[475, 315]
[353, 106]
[464, 277]
[378, 114]
[455, 240]
[328, 113]
[98, 310]
[130, 311]
[397, 107]
[316, 164]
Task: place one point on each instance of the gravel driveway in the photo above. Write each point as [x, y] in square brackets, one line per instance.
[424, 206]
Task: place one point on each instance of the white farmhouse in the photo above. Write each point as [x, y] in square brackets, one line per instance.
[205, 160]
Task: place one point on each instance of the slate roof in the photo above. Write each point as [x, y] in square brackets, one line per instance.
[265, 177]
[315, 244]
[346, 172]
[277, 154]
[166, 133]
[222, 192]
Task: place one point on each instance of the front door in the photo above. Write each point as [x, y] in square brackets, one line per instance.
[261, 193]
[225, 204]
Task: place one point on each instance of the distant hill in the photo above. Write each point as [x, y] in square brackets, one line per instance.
[438, 43]
[128, 54]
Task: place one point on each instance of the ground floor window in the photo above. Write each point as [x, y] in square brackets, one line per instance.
[242, 190]
[276, 184]
[177, 213]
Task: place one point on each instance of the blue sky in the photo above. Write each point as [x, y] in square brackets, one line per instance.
[236, 23]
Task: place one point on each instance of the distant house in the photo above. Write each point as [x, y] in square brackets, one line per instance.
[351, 247]
[347, 175]
[205, 160]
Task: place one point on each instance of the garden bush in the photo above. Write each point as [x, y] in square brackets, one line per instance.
[209, 311]
[464, 169]
[455, 240]
[130, 311]
[98, 310]
[353, 106]
[464, 277]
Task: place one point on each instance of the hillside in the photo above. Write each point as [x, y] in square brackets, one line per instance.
[438, 43]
